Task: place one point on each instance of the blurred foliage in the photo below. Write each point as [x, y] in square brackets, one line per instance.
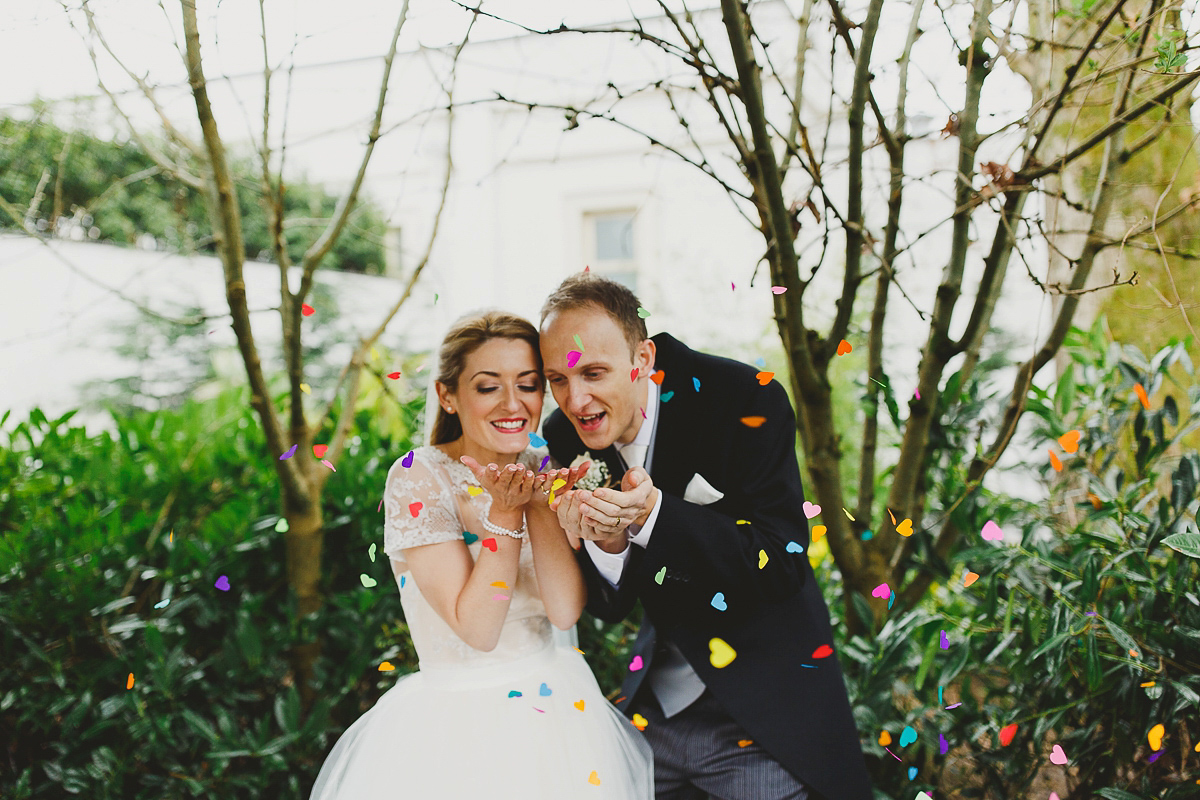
[1021, 645]
[80, 186]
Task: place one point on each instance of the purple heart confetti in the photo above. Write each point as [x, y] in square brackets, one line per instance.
[406, 462]
[222, 583]
[291, 452]
[545, 461]
[945, 643]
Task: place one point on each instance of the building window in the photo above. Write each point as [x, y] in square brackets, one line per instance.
[610, 246]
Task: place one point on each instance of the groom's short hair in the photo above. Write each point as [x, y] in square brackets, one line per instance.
[588, 289]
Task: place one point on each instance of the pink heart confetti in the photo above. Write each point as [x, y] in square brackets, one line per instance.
[1058, 755]
[882, 590]
[636, 664]
[573, 358]
[811, 510]
[992, 532]
[326, 463]
[778, 289]
[1054, 796]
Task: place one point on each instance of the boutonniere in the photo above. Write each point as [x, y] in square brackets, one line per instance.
[597, 476]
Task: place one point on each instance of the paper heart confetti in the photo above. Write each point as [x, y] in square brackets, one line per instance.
[1053, 796]
[633, 374]
[371, 552]
[1055, 461]
[944, 643]
[469, 537]
[129, 681]
[536, 441]
[307, 310]
[573, 358]
[666, 396]
[912, 773]
[367, 580]
[319, 450]
[291, 452]
[762, 558]
[640, 722]
[1069, 441]
[753, 422]
[764, 378]
[992, 532]
[490, 544]
[1142, 396]
[393, 375]
[658, 576]
[905, 528]
[970, 578]
[908, 736]
[386, 666]
[657, 376]
[326, 463]
[544, 690]
[407, 461]
[882, 591]
[643, 313]
[558, 484]
[1007, 733]
[718, 601]
[402, 577]
[415, 508]
[474, 491]
[222, 583]
[1058, 755]
[635, 664]
[943, 745]
[824, 651]
[514, 693]
[281, 526]
[304, 387]
[1155, 736]
[778, 289]
[578, 704]
[794, 547]
[844, 347]
[162, 603]
[811, 510]
[818, 531]
[594, 778]
[923, 796]
[721, 655]
[885, 739]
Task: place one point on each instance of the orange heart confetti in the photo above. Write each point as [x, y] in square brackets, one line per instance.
[1141, 393]
[658, 376]
[387, 666]
[753, 422]
[905, 528]
[500, 584]
[640, 722]
[745, 742]
[1069, 441]
[1147, 684]
[885, 739]
[970, 578]
[764, 378]
[307, 310]
[1055, 461]
[129, 685]
[1095, 501]
[844, 347]
[319, 450]
[893, 516]
[817, 532]
[579, 704]
[1007, 733]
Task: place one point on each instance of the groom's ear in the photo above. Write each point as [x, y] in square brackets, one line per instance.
[643, 356]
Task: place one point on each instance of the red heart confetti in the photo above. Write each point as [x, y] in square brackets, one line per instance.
[415, 508]
[490, 544]
[393, 375]
[307, 310]
[1007, 733]
[824, 651]
[319, 450]
[633, 374]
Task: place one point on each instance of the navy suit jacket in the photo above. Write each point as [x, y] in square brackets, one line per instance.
[791, 703]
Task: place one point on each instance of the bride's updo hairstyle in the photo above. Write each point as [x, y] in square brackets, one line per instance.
[463, 338]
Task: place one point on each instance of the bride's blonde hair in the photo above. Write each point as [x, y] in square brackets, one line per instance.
[463, 338]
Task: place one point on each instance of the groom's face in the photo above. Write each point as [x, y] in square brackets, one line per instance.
[597, 394]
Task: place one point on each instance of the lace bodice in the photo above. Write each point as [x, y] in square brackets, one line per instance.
[446, 510]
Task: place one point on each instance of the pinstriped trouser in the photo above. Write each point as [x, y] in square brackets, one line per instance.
[696, 756]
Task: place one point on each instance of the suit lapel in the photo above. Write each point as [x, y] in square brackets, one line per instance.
[674, 440]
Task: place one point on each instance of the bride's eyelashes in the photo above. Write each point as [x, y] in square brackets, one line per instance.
[490, 389]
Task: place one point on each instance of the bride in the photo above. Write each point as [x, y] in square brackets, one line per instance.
[498, 709]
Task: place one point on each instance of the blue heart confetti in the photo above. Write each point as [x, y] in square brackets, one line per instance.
[908, 736]
[514, 693]
[912, 773]
[696, 383]
[667, 396]
[544, 690]
[469, 537]
[536, 441]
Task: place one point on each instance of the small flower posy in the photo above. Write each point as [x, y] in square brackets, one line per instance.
[597, 476]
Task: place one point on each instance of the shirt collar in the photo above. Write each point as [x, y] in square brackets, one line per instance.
[645, 432]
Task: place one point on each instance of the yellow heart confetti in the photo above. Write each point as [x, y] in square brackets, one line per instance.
[579, 704]
[500, 584]
[640, 722]
[721, 655]
[885, 739]
[743, 522]
[305, 388]
[594, 778]
[817, 532]
[386, 666]
[1154, 737]
[905, 528]
[762, 558]
[558, 484]
[374, 353]
[848, 515]
[474, 491]
[1147, 684]
[577, 650]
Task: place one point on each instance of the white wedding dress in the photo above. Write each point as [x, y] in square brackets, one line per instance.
[457, 729]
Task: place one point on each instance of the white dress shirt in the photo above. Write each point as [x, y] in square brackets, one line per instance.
[612, 565]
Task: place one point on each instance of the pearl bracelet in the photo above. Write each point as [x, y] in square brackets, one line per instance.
[491, 527]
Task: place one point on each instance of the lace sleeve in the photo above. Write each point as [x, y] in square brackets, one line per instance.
[418, 506]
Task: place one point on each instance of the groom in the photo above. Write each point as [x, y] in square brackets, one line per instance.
[733, 679]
